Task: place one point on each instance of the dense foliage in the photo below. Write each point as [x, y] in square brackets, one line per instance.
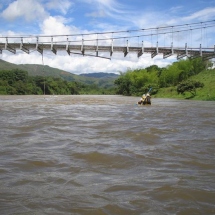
[140, 81]
[189, 86]
[17, 82]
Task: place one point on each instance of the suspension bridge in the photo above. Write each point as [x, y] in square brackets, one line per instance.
[93, 44]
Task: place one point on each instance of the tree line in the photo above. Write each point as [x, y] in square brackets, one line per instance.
[130, 83]
[18, 82]
[139, 81]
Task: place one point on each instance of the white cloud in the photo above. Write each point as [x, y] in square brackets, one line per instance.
[205, 14]
[176, 9]
[22, 58]
[54, 25]
[84, 64]
[63, 5]
[28, 9]
[99, 13]
[106, 3]
[107, 8]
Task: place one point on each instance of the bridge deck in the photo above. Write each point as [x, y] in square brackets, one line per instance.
[207, 53]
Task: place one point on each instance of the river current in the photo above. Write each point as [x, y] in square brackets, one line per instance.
[105, 155]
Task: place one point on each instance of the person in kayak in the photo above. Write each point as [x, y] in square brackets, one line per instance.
[145, 99]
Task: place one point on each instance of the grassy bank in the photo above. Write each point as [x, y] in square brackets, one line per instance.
[207, 93]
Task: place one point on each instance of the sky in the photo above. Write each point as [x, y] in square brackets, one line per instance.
[86, 19]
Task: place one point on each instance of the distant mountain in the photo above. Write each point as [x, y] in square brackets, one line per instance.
[39, 70]
[100, 75]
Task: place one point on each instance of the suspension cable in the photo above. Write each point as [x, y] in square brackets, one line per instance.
[113, 32]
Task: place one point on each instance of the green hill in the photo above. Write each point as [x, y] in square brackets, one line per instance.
[207, 93]
[208, 79]
[40, 70]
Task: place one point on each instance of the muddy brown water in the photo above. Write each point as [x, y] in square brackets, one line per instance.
[104, 155]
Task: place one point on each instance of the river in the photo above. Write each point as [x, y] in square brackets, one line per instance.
[105, 155]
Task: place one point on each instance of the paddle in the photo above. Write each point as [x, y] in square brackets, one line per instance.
[150, 90]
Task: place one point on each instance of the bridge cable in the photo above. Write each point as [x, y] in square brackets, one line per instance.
[143, 35]
[114, 32]
[122, 37]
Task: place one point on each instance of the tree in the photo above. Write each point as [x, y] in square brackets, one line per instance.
[153, 68]
[189, 86]
[123, 84]
[20, 75]
[199, 65]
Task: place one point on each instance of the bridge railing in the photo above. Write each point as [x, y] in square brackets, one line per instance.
[180, 52]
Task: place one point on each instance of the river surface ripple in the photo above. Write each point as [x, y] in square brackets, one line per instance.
[105, 155]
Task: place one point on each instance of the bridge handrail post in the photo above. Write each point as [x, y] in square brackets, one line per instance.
[22, 47]
[186, 49]
[67, 46]
[21, 44]
[7, 47]
[37, 43]
[141, 51]
[126, 50]
[142, 46]
[52, 47]
[82, 47]
[37, 46]
[111, 51]
[6, 43]
[97, 48]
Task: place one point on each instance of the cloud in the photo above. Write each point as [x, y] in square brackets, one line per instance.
[84, 64]
[107, 8]
[22, 58]
[27, 9]
[55, 25]
[99, 13]
[106, 3]
[205, 14]
[176, 9]
[63, 5]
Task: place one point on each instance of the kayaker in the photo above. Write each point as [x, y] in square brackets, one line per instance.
[145, 99]
[142, 99]
[148, 98]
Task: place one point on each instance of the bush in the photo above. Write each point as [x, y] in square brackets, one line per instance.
[189, 86]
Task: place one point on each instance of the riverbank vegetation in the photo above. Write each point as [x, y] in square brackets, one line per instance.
[185, 79]
[18, 82]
